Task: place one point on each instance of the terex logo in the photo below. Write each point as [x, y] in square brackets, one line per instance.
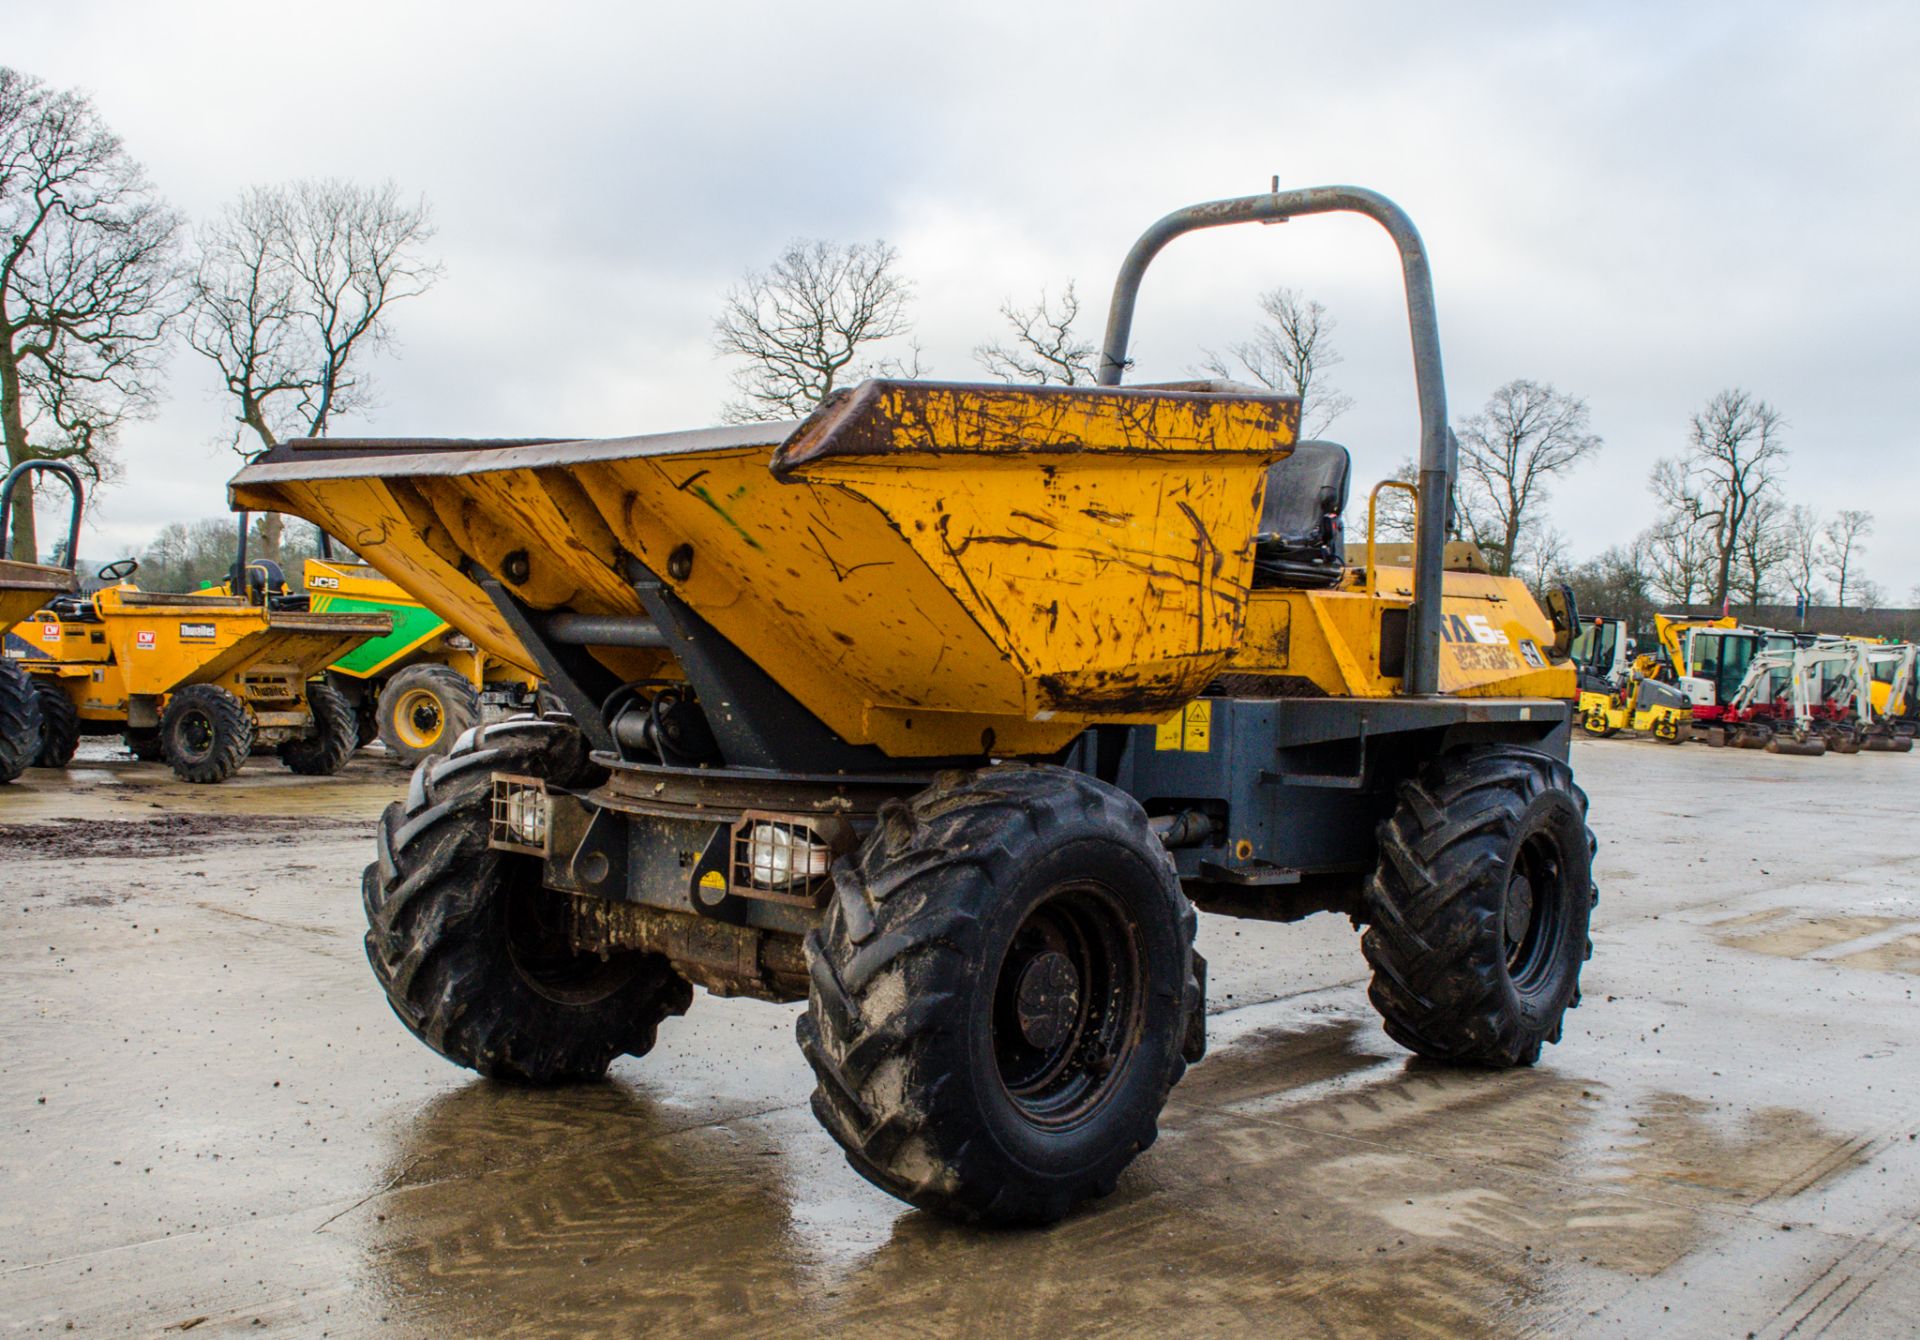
[197, 630]
[1471, 628]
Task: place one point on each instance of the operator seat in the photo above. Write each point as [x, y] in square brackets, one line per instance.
[1300, 541]
[265, 579]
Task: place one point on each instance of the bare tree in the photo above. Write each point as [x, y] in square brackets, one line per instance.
[1618, 584]
[1764, 551]
[1680, 558]
[87, 285]
[1541, 557]
[291, 295]
[1526, 435]
[1867, 594]
[1735, 453]
[1802, 562]
[805, 324]
[1046, 349]
[1842, 541]
[1290, 352]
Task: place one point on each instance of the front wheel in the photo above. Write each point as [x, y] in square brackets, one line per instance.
[1002, 995]
[205, 733]
[424, 709]
[1479, 907]
[59, 725]
[473, 951]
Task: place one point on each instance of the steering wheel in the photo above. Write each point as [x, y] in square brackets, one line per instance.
[119, 570]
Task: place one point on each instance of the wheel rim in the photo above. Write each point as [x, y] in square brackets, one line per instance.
[1535, 910]
[419, 719]
[194, 736]
[542, 951]
[1067, 1005]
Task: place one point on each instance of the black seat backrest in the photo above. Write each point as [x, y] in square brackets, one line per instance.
[1299, 541]
[265, 578]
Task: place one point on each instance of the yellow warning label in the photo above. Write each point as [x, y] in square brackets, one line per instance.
[713, 879]
[1190, 729]
[1199, 723]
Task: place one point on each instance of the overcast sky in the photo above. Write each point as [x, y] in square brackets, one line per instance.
[1641, 204]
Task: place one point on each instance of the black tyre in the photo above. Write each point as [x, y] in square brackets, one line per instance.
[331, 740]
[424, 709]
[472, 950]
[1480, 905]
[205, 733]
[59, 724]
[1000, 995]
[19, 720]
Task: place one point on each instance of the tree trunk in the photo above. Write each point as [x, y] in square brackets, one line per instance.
[272, 525]
[271, 530]
[26, 538]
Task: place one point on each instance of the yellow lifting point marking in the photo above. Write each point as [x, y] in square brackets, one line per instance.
[1189, 730]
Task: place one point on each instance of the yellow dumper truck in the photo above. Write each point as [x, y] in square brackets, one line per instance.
[199, 680]
[943, 711]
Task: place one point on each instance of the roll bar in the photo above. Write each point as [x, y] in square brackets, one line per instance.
[1436, 459]
[72, 478]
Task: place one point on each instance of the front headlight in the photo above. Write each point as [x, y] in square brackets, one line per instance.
[519, 817]
[781, 856]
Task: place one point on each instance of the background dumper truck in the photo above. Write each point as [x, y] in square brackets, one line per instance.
[943, 711]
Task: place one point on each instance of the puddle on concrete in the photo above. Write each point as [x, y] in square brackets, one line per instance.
[1309, 1181]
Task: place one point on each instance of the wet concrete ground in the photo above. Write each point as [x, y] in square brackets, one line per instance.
[209, 1121]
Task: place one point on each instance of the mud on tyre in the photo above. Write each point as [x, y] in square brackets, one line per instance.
[1000, 994]
[1479, 907]
[472, 950]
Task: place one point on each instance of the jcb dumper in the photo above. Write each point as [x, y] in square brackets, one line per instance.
[421, 686]
[943, 711]
[24, 588]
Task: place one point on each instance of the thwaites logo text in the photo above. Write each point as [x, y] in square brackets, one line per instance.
[198, 632]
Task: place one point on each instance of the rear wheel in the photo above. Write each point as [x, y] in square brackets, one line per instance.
[1002, 995]
[331, 739]
[205, 734]
[59, 724]
[424, 709]
[19, 720]
[473, 951]
[1479, 908]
